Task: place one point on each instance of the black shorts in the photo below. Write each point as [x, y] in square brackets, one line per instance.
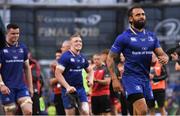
[100, 104]
[159, 97]
[134, 97]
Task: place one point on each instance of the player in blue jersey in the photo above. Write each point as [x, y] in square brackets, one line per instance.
[137, 45]
[13, 62]
[69, 74]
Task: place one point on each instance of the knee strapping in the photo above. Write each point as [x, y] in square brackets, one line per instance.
[10, 108]
[85, 107]
[28, 100]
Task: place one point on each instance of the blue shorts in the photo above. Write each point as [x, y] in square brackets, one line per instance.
[14, 95]
[66, 101]
[135, 85]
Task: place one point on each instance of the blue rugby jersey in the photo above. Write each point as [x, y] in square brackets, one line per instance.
[73, 65]
[12, 60]
[137, 48]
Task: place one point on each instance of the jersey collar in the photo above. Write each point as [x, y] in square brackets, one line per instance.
[135, 32]
[9, 45]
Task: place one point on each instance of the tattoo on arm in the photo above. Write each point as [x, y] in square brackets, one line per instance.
[113, 55]
[111, 62]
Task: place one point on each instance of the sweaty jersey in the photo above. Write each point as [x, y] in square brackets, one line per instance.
[73, 65]
[137, 48]
[12, 60]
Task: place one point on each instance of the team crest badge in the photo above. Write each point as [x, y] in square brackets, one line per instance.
[150, 38]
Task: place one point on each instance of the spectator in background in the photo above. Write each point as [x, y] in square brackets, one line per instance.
[100, 96]
[37, 83]
[175, 57]
[13, 61]
[104, 55]
[56, 86]
[69, 74]
[65, 46]
[158, 75]
[114, 96]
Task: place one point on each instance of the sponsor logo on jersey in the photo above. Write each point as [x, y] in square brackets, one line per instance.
[11, 61]
[138, 87]
[15, 57]
[72, 60]
[21, 50]
[5, 51]
[133, 39]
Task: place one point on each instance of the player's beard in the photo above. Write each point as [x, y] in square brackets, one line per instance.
[139, 24]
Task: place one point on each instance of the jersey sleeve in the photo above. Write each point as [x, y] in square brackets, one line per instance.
[86, 64]
[118, 44]
[63, 61]
[156, 42]
[25, 49]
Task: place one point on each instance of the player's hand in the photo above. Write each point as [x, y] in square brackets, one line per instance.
[90, 82]
[71, 89]
[163, 59]
[5, 90]
[117, 87]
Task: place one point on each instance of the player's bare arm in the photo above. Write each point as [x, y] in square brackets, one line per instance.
[28, 75]
[62, 81]
[3, 88]
[111, 66]
[162, 56]
[90, 76]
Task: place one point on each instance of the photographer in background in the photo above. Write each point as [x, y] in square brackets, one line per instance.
[174, 54]
[175, 57]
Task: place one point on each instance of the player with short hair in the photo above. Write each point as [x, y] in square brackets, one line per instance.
[13, 61]
[69, 74]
